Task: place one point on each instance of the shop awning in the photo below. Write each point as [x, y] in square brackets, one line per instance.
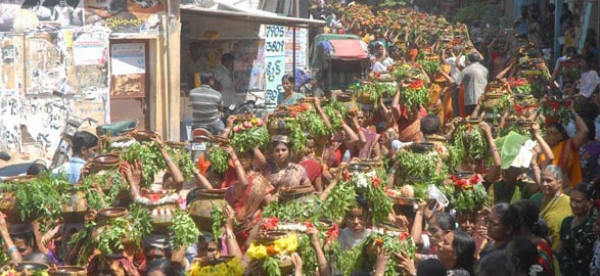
[262, 18]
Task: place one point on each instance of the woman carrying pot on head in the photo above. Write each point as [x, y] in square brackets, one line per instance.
[553, 203]
[288, 97]
[247, 192]
[566, 150]
[280, 171]
[576, 233]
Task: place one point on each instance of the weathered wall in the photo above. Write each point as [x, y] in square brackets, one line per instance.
[63, 45]
[35, 64]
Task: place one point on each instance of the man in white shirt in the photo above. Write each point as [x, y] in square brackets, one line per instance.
[454, 72]
[225, 81]
[474, 77]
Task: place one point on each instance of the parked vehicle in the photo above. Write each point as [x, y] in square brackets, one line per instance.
[338, 61]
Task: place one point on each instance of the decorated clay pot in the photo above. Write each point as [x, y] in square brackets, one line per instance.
[75, 206]
[162, 205]
[67, 271]
[347, 100]
[494, 101]
[302, 194]
[201, 205]
[105, 162]
[8, 201]
[103, 219]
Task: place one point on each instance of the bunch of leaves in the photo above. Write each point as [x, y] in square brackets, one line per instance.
[415, 96]
[415, 164]
[151, 158]
[340, 200]
[430, 66]
[315, 125]
[379, 203]
[457, 155]
[93, 198]
[392, 245]
[401, 72]
[271, 266]
[376, 90]
[219, 160]
[218, 220]
[84, 236]
[307, 254]
[109, 178]
[135, 226]
[471, 199]
[353, 260]
[295, 210]
[141, 221]
[40, 198]
[331, 110]
[247, 139]
[297, 137]
[184, 229]
[183, 161]
[471, 140]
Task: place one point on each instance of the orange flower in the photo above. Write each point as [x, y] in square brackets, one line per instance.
[378, 241]
[271, 250]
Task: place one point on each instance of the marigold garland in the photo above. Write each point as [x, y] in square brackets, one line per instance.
[231, 268]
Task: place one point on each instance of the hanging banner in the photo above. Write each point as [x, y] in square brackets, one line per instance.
[274, 51]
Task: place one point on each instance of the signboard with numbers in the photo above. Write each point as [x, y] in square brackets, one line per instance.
[274, 63]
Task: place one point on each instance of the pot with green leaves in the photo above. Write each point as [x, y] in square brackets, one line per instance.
[348, 102]
[110, 218]
[8, 200]
[67, 271]
[201, 205]
[113, 184]
[493, 102]
[301, 194]
[373, 163]
[162, 205]
[75, 206]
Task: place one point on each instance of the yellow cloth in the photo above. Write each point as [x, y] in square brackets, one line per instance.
[568, 161]
[553, 213]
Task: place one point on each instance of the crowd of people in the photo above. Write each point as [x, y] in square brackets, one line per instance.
[431, 165]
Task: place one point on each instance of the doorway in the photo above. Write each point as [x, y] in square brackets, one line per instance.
[130, 81]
